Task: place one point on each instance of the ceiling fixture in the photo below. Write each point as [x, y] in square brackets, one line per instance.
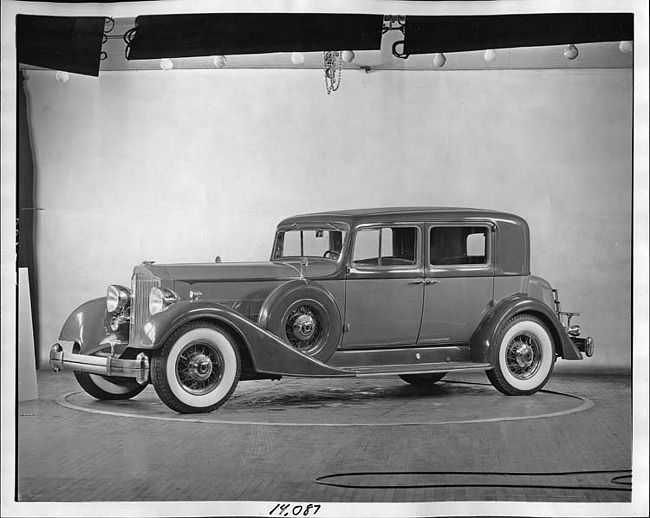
[332, 61]
[439, 59]
[220, 61]
[297, 58]
[490, 55]
[571, 52]
[348, 56]
[626, 47]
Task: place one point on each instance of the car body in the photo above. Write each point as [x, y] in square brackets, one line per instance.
[414, 292]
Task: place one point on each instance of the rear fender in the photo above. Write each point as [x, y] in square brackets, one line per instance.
[87, 325]
[268, 353]
[483, 342]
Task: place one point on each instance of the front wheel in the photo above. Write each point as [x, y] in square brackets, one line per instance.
[525, 356]
[197, 368]
[108, 388]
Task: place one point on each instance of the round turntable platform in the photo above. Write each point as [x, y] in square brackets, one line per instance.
[350, 402]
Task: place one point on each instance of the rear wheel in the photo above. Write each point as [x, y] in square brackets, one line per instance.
[423, 380]
[525, 356]
[197, 368]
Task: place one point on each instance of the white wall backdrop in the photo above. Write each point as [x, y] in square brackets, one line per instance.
[188, 164]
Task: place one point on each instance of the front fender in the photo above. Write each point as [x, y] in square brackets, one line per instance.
[483, 342]
[268, 353]
[87, 325]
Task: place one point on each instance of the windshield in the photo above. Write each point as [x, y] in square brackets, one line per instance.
[313, 242]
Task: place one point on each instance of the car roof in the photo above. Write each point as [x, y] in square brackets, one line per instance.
[404, 214]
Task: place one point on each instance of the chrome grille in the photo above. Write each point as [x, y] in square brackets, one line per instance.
[141, 284]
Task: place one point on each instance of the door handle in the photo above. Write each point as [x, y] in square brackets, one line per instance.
[426, 281]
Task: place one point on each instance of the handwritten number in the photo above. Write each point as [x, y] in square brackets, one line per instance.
[295, 510]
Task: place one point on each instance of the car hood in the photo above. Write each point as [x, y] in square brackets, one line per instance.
[210, 272]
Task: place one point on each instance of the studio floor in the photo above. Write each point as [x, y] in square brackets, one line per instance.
[321, 440]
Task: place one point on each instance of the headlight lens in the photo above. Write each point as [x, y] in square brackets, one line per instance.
[117, 298]
[161, 298]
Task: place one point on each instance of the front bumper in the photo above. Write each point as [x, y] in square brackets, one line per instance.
[106, 366]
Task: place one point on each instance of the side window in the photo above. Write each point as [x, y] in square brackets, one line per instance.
[458, 245]
[386, 246]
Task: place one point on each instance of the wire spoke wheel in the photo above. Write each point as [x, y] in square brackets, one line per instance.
[523, 356]
[199, 367]
[304, 328]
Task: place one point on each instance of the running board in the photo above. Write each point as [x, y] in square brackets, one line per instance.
[421, 368]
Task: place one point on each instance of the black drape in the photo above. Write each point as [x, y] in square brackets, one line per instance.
[25, 206]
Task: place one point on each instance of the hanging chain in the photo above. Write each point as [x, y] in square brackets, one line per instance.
[332, 61]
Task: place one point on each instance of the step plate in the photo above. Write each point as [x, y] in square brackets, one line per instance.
[422, 368]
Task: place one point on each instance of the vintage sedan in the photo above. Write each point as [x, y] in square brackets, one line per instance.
[414, 292]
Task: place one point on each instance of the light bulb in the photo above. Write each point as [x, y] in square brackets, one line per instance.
[297, 58]
[490, 55]
[626, 47]
[220, 61]
[61, 76]
[439, 59]
[166, 64]
[348, 56]
[571, 51]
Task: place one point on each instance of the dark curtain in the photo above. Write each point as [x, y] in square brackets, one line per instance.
[70, 43]
[26, 209]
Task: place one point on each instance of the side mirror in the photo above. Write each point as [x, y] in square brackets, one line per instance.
[217, 259]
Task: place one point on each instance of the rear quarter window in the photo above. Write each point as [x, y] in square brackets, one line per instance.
[458, 245]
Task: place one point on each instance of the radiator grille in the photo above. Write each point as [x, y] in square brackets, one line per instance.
[141, 284]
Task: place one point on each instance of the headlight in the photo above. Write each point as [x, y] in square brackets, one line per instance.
[117, 298]
[161, 298]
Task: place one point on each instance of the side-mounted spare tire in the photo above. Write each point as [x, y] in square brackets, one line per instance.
[304, 315]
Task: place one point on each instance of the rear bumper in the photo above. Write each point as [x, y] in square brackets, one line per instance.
[106, 366]
[584, 345]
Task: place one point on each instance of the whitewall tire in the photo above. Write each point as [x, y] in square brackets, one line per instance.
[107, 388]
[197, 368]
[525, 356]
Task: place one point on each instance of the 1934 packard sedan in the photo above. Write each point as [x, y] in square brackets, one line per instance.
[414, 292]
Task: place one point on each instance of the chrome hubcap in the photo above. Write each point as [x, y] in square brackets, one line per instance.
[304, 327]
[523, 356]
[199, 367]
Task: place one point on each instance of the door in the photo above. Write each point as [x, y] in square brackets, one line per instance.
[459, 282]
[384, 287]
